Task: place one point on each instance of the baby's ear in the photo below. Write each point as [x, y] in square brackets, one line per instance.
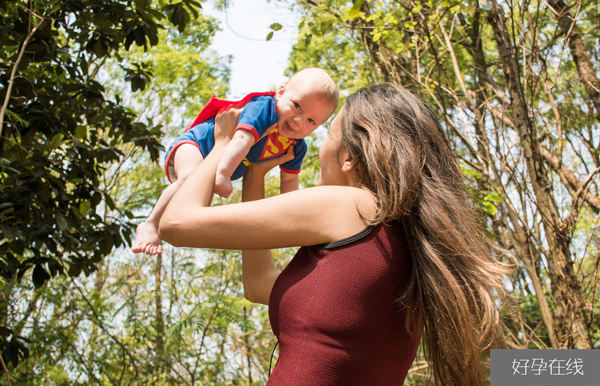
[281, 90]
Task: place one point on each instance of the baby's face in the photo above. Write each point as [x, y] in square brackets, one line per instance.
[300, 110]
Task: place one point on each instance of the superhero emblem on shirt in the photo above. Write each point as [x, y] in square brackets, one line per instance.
[275, 145]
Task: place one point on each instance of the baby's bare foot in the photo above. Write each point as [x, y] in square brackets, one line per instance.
[138, 239]
[147, 240]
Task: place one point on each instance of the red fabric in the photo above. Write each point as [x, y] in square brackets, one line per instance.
[334, 313]
[251, 129]
[212, 107]
[290, 171]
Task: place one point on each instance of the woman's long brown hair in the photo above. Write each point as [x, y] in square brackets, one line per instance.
[401, 155]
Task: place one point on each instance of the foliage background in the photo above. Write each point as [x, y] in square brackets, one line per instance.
[91, 88]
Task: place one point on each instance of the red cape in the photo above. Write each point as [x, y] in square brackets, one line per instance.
[212, 107]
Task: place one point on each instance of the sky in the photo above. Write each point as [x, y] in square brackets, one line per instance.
[257, 64]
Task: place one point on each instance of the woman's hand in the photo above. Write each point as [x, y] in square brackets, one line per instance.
[253, 187]
[225, 124]
[260, 169]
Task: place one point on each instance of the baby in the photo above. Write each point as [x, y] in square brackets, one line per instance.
[269, 124]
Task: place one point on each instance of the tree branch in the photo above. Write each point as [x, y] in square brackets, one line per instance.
[5, 370]
[569, 178]
[585, 68]
[13, 73]
[583, 189]
[97, 317]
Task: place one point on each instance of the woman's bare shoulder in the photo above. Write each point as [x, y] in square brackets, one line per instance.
[344, 202]
[363, 199]
[330, 213]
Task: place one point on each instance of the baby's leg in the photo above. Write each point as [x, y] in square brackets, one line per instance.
[186, 158]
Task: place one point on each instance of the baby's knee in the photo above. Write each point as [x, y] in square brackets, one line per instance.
[177, 183]
[185, 160]
[184, 171]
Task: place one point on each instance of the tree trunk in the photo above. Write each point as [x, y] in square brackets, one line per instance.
[585, 69]
[5, 294]
[98, 285]
[248, 349]
[571, 324]
[159, 319]
[525, 255]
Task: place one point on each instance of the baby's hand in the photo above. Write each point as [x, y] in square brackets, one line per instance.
[223, 186]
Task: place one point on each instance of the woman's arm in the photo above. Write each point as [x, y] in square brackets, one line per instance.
[305, 217]
[258, 269]
[288, 182]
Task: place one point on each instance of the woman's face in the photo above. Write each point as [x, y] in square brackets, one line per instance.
[331, 159]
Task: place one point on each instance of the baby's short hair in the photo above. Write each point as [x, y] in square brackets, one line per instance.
[324, 87]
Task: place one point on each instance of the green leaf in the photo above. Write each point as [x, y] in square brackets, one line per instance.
[9, 232]
[493, 197]
[177, 16]
[56, 141]
[84, 207]
[270, 36]
[469, 172]
[193, 10]
[81, 132]
[489, 208]
[44, 193]
[140, 36]
[353, 13]
[276, 26]
[6, 165]
[75, 269]
[156, 14]
[417, 9]
[140, 5]
[185, 19]
[325, 25]
[307, 40]
[16, 118]
[7, 211]
[40, 276]
[109, 201]
[62, 223]
[99, 49]
[152, 37]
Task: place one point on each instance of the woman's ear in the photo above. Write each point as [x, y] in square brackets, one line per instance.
[347, 162]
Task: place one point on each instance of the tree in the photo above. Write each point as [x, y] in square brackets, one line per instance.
[59, 133]
[515, 85]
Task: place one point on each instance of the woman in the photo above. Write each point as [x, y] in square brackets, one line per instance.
[390, 250]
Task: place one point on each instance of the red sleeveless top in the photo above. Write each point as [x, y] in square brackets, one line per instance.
[333, 311]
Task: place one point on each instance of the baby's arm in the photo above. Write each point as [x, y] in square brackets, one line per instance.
[288, 182]
[234, 154]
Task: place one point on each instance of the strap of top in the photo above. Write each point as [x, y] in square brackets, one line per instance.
[347, 240]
